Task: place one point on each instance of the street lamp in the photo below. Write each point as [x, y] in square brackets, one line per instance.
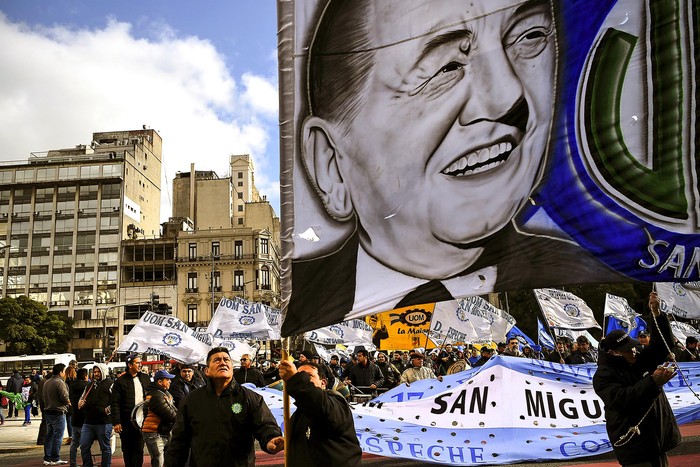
[105, 340]
[214, 257]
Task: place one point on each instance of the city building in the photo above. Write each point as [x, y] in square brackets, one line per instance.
[80, 232]
[63, 214]
[233, 248]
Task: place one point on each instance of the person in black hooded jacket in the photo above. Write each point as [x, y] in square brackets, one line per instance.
[95, 403]
[631, 387]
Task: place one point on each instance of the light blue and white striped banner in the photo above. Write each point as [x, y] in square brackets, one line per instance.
[507, 411]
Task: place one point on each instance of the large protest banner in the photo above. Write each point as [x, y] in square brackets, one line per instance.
[438, 150]
[508, 411]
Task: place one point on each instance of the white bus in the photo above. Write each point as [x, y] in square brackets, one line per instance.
[26, 363]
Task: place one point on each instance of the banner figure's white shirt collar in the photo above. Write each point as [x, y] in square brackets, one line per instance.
[373, 280]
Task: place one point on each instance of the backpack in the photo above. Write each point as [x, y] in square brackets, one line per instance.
[139, 413]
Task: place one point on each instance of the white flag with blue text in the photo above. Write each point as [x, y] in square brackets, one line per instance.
[682, 300]
[618, 308]
[237, 318]
[565, 310]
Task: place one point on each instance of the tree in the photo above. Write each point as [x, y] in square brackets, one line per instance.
[29, 328]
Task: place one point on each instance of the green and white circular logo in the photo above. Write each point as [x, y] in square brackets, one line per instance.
[236, 408]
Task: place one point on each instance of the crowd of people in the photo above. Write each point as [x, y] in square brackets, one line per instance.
[205, 414]
[208, 413]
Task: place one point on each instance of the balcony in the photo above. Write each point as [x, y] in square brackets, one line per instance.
[192, 290]
[215, 288]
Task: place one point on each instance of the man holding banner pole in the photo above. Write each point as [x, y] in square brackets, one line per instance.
[322, 430]
[639, 419]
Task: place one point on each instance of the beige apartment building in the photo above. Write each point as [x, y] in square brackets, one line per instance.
[63, 215]
[233, 248]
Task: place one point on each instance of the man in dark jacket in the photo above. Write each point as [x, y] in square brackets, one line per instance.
[75, 391]
[160, 419]
[365, 374]
[187, 381]
[486, 354]
[14, 384]
[246, 374]
[390, 374]
[218, 424]
[94, 403]
[582, 354]
[322, 429]
[272, 374]
[129, 389]
[631, 387]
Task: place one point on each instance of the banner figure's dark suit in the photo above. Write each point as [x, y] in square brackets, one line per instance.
[323, 289]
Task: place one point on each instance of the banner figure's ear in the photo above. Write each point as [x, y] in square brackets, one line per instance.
[320, 155]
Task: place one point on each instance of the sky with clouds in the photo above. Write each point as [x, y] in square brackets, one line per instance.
[203, 74]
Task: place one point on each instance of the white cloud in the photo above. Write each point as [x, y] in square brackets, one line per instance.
[58, 85]
[261, 95]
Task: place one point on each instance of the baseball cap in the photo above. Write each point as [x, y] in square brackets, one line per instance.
[161, 374]
[618, 340]
[643, 333]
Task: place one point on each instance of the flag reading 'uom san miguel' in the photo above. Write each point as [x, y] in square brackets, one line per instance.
[433, 150]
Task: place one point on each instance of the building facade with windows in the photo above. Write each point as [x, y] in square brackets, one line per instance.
[213, 264]
[63, 214]
[233, 248]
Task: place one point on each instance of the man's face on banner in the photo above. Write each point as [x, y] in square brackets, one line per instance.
[452, 129]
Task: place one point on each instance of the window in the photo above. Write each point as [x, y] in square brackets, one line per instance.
[240, 221]
[240, 183]
[240, 174]
[46, 174]
[215, 248]
[264, 246]
[193, 250]
[238, 249]
[238, 282]
[67, 173]
[240, 208]
[240, 195]
[265, 277]
[191, 314]
[216, 281]
[90, 171]
[26, 175]
[192, 281]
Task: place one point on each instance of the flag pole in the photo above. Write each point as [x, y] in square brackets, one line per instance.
[286, 342]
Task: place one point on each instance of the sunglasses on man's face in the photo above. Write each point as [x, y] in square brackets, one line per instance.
[244, 359]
